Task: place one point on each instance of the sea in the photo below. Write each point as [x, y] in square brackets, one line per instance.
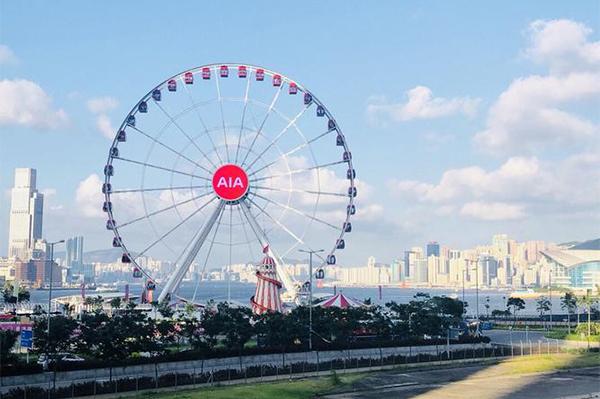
[241, 292]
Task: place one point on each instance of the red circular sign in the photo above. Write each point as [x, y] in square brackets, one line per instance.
[230, 182]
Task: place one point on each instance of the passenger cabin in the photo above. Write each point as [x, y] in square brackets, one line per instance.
[347, 156]
[242, 71]
[107, 206]
[276, 80]
[351, 209]
[122, 136]
[116, 242]
[224, 71]
[320, 274]
[131, 120]
[339, 140]
[137, 273]
[188, 78]
[143, 107]
[347, 227]
[320, 111]
[307, 98]
[150, 286]
[172, 85]
[156, 95]
[351, 174]
[114, 152]
[293, 89]
[206, 73]
[106, 188]
[352, 191]
[331, 260]
[331, 124]
[110, 224]
[108, 170]
[125, 258]
[341, 244]
[260, 74]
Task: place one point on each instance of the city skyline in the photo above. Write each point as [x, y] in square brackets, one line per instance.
[445, 153]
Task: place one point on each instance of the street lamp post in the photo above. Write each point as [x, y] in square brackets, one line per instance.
[52, 244]
[310, 288]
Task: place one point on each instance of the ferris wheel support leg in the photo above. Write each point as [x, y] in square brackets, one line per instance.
[283, 275]
[176, 278]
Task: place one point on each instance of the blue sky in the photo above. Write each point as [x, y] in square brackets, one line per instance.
[465, 119]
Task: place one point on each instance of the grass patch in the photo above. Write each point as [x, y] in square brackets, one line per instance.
[563, 334]
[536, 364]
[297, 389]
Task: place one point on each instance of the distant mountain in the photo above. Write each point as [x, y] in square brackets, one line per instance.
[591, 244]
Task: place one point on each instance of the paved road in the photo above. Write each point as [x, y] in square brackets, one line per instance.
[505, 336]
[481, 382]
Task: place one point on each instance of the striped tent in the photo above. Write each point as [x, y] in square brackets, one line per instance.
[341, 301]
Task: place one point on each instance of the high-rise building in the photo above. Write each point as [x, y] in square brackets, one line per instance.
[74, 254]
[26, 213]
[433, 248]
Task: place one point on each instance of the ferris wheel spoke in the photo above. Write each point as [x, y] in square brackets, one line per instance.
[276, 139]
[176, 226]
[262, 124]
[210, 247]
[195, 106]
[185, 134]
[292, 151]
[154, 213]
[149, 165]
[222, 116]
[297, 211]
[296, 171]
[277, 222]
[295, 190]
[141, 190]
[282, 273]
[170, 149]
[237, 150]
[251, 252]
[175, 279]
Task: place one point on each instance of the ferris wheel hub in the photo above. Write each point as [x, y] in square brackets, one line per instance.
[230, 182]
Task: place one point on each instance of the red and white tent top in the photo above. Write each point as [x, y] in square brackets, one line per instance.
[341, 301]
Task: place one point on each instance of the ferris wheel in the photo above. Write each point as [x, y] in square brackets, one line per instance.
[220, 163]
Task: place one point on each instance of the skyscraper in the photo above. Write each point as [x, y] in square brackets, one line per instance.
[433, 248]
[26, 213]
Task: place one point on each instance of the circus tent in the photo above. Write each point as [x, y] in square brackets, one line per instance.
[341, 301]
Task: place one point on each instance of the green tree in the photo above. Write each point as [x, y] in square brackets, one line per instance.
[8, 294]
[542, 305]
[62, 334]
[517, 305]
[8, 339]
[568, 302]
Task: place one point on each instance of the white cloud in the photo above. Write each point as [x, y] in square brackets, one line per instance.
[563, 45]
[88, 197]
[25, 103]
[519, 183]
[100, 106]
[537, 111]
[104, 125]
[421, 104]
[7, 56]
[492, 211]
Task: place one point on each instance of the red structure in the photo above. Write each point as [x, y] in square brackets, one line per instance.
[266, 297]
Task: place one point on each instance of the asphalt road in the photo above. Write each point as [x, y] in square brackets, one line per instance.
[505, 336]
[480, 382]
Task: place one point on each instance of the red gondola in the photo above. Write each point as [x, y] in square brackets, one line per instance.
[137, 273]
[276, 80]
[242, 71]
[172, 85]
[206, 73]
[188, 78]
[224, 71]
[293, 88]
[260, 74]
